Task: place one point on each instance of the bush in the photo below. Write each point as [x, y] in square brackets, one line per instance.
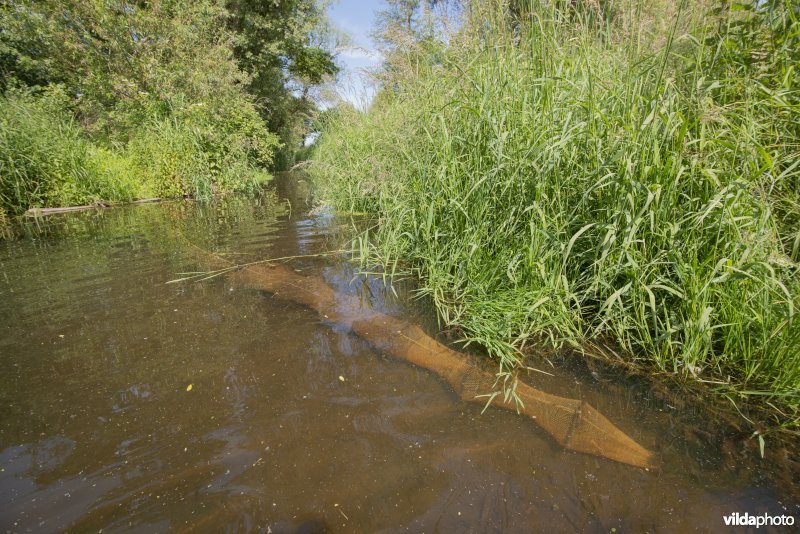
[115, 176]
[46, 160]
[199, 153]
[170, 160]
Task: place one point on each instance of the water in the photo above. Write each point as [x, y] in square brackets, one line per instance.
[292, 424]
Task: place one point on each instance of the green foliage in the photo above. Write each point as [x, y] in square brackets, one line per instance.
[284, 48]
[756, 51]
[122, 62]
[117, 177]
[46, 160]
[171, 160]
[143, 87]
[181, 158]
[43, 158]
[551, 183]
[202, 151]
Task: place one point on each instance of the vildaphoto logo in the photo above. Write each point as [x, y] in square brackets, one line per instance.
[746, 520]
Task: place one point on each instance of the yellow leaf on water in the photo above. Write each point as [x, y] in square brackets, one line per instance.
[189, 387]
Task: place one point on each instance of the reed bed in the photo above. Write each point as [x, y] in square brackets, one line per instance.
[47, 159]
[553, 182]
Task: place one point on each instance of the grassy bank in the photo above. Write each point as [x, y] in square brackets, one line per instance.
[555, 179]
[47, 160]
[117, 100]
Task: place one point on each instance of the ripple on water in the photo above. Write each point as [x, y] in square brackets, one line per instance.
[290, 421]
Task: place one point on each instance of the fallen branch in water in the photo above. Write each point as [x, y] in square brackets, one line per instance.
[40, 212]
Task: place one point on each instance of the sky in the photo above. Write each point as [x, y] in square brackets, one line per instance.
[357, 19]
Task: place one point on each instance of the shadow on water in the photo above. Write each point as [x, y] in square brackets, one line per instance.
[292, 424]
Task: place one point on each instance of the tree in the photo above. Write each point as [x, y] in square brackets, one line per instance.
[154, 86]
[123, 61]
[285, 49]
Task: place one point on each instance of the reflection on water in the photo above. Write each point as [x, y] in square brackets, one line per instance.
[291, 423]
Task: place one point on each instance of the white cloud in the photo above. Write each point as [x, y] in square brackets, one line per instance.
[358, 52]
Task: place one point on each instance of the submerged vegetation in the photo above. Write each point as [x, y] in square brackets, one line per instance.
[113, 100]
[623, 180]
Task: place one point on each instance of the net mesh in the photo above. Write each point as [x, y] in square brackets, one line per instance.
[573, 423]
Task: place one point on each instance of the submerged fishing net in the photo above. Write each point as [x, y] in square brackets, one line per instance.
[573, 423]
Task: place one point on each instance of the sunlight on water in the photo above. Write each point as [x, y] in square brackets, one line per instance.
[128, 403]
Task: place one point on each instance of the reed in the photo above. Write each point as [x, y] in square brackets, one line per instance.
[42, 155]
[47, 159]
[554, 181]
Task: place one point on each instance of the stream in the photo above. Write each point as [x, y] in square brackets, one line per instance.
[129, 404]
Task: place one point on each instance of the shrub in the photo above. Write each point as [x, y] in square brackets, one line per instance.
[199, 153]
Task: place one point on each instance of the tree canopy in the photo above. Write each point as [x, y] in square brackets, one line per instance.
[121, 60]
[153, 97]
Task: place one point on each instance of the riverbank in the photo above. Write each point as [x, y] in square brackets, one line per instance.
[557, 183]
[101, 103]
[47, 160]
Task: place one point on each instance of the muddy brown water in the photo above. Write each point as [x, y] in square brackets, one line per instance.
[291, 424]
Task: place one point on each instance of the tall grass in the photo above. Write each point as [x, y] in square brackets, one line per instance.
[47, 159]
[552, 184]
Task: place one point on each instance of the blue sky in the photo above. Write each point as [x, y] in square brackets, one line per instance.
[357, 19]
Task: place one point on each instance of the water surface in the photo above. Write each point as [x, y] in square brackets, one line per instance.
[131, 404]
